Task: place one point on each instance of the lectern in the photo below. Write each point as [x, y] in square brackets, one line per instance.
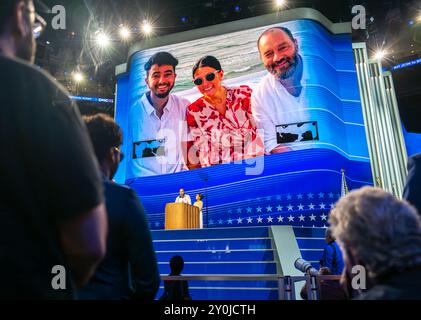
[181, 216]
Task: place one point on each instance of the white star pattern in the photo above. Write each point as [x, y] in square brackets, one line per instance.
[268, 209]
[311, 206]
[299, 196]
[239, 220]
[310, 195]
[301, 217]
[323, 216]
[330, 195]
[290, 207]
[210, 221]
[332, 205]
[280, 219]
[270, 219]
[279, 208]
[239, 210]
[278, 197]
[321, 195]
[229, 211]
[221, 221]
[300, 207]
[249, 220]
[259, 209]
[248, 210]
[229, 221]
[312, 217]
[291, 218]
[289, 197]
[259, 220]
[322, 205]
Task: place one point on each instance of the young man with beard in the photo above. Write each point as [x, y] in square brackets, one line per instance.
[51, 196]
[279, 98]
[158, 121]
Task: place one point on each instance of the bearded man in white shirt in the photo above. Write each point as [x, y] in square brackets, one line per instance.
[158, 121]
[279, 99]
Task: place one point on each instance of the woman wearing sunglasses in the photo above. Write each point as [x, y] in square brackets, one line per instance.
[221, 124]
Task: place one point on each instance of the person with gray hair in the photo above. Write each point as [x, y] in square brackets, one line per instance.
[382, 234]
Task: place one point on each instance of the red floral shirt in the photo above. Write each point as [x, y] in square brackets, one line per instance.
[225, 138]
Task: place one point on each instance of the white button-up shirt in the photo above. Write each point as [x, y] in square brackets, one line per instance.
[162, 138]
[272, 105]
[185, 199]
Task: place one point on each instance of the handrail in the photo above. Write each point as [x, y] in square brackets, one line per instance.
[286, 284]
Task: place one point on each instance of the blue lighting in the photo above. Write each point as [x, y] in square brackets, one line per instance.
[92, 99]
[407, 64]
[237, 8]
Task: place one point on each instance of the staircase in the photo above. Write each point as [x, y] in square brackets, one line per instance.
[229, 252]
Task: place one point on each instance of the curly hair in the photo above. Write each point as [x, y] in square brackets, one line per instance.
[383, 232]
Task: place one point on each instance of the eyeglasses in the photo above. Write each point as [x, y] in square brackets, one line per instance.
[209, 77]
[121, 153]
[39, 24]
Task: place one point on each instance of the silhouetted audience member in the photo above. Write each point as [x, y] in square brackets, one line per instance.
[412, 191]
[383, 235]
[129, 240]
[176, 290]
[51, 196]
[332, 255]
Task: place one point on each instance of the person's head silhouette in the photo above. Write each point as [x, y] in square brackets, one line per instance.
[176, 265]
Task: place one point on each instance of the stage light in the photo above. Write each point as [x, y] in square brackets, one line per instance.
[124, 33]
[146, 27]
[78, 77]
[102, 39]
[237, 8]
[379, 55]
[280, 3]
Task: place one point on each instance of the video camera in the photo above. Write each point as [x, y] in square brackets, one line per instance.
[305, 267]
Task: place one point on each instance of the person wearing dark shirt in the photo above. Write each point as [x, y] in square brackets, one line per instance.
[412, 190]
[129, 269]
[176, 290]
[51, 196]
[332, 255]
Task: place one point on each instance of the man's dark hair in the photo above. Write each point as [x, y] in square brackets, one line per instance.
[6, 10]
[176, 264]
[207, 61]
[105, 134]
[200, 196]
[161, 58]
[284, 29]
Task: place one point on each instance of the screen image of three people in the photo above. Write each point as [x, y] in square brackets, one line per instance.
[224, 124]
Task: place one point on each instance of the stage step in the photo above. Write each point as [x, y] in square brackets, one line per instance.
[230, 251]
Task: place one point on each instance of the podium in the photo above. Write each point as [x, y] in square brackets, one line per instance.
[181, 216]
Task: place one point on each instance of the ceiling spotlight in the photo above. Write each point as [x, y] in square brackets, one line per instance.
[78, 76]
[379, 55]
[280, 3]
[146, 27]
[102, 39]
[124, 32]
